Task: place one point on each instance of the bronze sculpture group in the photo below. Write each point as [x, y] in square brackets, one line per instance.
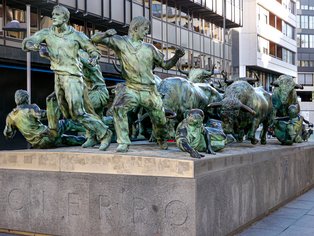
[81, 95]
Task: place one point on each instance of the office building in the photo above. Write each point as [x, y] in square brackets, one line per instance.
[268, 40]
[305, 41]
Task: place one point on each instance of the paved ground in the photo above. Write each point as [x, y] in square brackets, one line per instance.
[294, 219]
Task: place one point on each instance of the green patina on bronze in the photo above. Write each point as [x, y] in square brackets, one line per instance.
[27, 119]
[96, 86]
[63, 43]
[137, 62]
[284, 95]
[243, 109]
[192, 136]
[288, 130]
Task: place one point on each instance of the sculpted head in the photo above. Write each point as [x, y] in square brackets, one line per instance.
[21, 97]
[139, 27]
[195, 117]
[60, 15]
[293, 111]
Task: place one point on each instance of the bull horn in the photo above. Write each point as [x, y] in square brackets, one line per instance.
[247, 108]
[215, 104]
[117, 68]
[228, 81]
[298, 86]
[212, 70]
[183, 72]
[170, 114]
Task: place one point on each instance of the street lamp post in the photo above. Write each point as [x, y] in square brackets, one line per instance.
[15, 26]
[28, 54]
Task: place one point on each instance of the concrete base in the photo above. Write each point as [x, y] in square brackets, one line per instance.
[74, 191]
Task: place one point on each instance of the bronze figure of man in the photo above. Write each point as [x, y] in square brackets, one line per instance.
[137, 62]
[63, 43]
[27, 119]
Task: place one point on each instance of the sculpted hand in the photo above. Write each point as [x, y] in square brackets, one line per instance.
[99, 36]
[196, 154]
[30, 46]
[179, 52]
[93, 60]
[110, 32]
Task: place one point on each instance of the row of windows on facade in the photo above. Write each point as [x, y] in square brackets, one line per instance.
[305, 63]
[207, 28]
[305, 22]
[305, 40]
[305, 79]
[192, 21]
[305, 4]
[289, 5]
[270, 48]
[192, 58]
[268, 18]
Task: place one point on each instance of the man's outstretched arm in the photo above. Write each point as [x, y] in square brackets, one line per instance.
[168, 64]
[33, 42]
[9, 130]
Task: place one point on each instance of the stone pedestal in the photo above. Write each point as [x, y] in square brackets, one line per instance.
[75, 191]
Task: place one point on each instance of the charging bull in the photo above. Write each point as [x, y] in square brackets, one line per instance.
[180, 95]
[243, 109]
[284, 95]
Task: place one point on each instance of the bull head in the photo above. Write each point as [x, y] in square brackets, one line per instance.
[214, 104]
[242, 106]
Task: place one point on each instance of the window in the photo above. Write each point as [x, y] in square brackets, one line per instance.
[304, 41]
[263, 45]
[156, 8]
[171, 15]
[304, 22]
[272, 49]
[305, 79]
[311, 22]
[299, 21]
[287, 30]
[311, 41]
[263, 15]
[304, 4]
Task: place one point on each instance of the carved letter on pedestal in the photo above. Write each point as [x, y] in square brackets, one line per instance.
[176, 213]
[73, 204]
[104, 202]
[17, 199]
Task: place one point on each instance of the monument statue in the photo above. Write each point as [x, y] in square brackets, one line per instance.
[284, 95]
[96, 86]
[27, 119]
[191, 135]
[63, 43]
[290, 129]
[137, 62]
[243, 109]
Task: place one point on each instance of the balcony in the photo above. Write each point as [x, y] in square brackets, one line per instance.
[207, 12]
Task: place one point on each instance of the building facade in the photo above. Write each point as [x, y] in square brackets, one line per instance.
[305, 40]
[268, 40]
[201, 27]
